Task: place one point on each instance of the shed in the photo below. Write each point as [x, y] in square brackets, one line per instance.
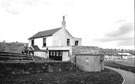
[88, 58]
[90, 62]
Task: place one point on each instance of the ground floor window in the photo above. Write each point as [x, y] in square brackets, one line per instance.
[55, 54]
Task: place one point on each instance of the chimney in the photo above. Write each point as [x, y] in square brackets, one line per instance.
[63, 22]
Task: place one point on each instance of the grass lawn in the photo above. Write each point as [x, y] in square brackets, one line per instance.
[128, 65]
[130, 62]
[74, 77]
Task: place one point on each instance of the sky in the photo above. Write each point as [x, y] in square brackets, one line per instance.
[102, 23]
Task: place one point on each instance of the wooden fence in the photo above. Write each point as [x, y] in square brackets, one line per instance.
[6, 56]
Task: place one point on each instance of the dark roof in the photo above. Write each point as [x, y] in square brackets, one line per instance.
[30, 49]
[35, 47]
[85, 50]
[44, 33]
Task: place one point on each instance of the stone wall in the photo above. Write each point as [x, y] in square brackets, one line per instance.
[31, 68]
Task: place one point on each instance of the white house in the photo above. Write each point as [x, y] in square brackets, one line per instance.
[58, 42]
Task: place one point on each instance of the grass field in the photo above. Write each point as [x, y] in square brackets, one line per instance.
[128, 65]
[130, 62]
[76, 77]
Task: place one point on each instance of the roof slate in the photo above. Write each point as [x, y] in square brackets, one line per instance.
[35, 47]
[44, 33]
[85, 50]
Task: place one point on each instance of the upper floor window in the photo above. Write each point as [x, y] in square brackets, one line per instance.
[32, 42]
[68, 42]
[76, 43]
[44, 42]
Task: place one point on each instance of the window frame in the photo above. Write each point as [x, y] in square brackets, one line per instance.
[32, 42]
[76, 43]
[68, 42]
[44, 42]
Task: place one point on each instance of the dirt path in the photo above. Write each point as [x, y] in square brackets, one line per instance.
[129, 77]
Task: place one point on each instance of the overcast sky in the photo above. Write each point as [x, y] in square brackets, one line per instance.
[103, 23]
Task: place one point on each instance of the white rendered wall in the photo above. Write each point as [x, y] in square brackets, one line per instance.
[79, 41]
[61, 36]
[39, 42]
[65, 56]
[58, 39]
[41, 54]
[49, 41]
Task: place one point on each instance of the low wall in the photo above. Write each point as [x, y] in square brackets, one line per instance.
[30, 68]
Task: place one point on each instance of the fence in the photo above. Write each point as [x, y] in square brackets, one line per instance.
[6, 56]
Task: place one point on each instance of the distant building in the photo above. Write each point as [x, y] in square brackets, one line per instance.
[119, 56]
[126, 55]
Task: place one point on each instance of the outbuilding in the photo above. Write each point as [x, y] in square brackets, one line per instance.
[88, 58]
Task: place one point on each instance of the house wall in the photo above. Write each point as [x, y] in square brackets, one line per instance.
[39, 42]
[79, 40]
[41, 54]
[57, 39]
[65, 56]
[61, 36]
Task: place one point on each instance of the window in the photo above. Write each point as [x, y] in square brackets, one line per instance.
[68, 42]
[32, 42]
[51, 53]
[60, 53]
[55, 53]
[76, 43]
[44, 42]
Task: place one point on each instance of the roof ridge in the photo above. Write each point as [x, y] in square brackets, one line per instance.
[45, 33]
[50, 29]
